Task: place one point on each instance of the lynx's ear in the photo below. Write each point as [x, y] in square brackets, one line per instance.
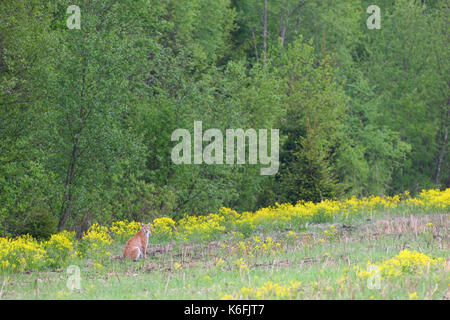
[142, 224]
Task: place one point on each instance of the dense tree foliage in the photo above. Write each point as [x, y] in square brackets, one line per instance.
[87, 114]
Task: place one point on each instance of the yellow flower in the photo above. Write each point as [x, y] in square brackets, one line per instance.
[405, 262]
[123, 230]
[163, 228]
[97, 241]
[291, 235]
[266, 291]
[177, 266]
[413, 296]
[219, 262]
[98, 266]
[242, 264]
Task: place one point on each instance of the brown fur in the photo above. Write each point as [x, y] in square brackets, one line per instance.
[136, 247]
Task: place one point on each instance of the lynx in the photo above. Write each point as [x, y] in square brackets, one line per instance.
[137, 245]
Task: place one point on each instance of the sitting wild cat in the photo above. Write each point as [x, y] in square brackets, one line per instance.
[137, 245]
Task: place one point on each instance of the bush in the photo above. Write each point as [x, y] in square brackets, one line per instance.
[123, 230]
[59, 248]
[96, 243]
[21, 254]
[162, 229]
[38, 223]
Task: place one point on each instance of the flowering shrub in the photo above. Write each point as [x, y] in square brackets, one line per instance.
[268, 290]
[331, 232]
[283, 216]
[230, 216]
[435, 199]
[121, 231]
[255, 246]
[406, 262]
[192, 228]
[162, 228]
[59, 248]
[21, 254]
[96, 242]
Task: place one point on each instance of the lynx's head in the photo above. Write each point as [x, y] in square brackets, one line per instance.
[145, 228]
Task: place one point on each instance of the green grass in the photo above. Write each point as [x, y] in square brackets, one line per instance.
[323, 263]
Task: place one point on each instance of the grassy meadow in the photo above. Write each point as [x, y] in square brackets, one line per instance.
[370, 248]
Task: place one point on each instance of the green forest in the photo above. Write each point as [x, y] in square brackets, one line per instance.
[87, 113]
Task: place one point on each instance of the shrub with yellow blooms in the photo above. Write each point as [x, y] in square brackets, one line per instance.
[121, 231]
[201, 228]
[96, 243]
[21, 254]
[162, 229]
[256, 246]
[269, 290]
[59, 248]
[405, 262]
[331, 233]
